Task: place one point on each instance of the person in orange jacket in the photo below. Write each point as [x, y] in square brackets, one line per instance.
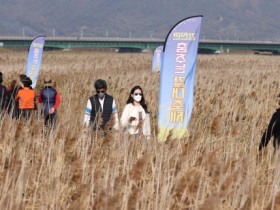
[26, 98]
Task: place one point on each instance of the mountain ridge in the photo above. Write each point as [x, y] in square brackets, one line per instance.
[234, 20]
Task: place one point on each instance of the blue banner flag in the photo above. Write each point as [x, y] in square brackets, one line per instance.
[157, 59]
[177, 78]
[34, 59]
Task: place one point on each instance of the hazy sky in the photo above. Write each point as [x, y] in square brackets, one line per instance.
[235, 19]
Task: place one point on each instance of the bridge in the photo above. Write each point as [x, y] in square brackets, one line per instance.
[133, 44]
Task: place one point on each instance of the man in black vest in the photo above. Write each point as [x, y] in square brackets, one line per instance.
[273, 129]
[100, 108]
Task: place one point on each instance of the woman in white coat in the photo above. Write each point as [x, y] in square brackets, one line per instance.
[135, 118]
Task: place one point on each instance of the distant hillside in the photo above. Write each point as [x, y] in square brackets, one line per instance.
[223, 19]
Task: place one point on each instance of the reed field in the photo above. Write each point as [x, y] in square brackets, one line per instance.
[217, 167]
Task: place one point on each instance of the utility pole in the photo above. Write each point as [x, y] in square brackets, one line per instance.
[82, 31]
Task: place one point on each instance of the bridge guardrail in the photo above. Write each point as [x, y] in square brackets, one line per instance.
[119, 39]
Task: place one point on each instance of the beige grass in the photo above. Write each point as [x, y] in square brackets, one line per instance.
[218, 167]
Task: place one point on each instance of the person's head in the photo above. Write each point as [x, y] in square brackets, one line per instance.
[21, 78]
[26, 82]
[13, 84]
[137, 96]
[100, 87]
[1, 77]
[48, 82]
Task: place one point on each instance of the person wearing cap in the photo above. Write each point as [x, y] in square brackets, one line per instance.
[51, 100]
[100, 108]
[273, 129]
[18, 87]
[26, 98]
[3, 93]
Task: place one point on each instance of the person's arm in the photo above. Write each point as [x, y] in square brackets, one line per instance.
[125, 116]
[269, 132]
[87, 113]
[57, 100]
[35, 101]
[115, 115]
[17, 96]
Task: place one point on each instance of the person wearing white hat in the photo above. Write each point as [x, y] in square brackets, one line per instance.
[51, 100]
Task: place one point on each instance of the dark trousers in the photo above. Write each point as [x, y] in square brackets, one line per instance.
[25, 113]
[13, 110]
[50, 119]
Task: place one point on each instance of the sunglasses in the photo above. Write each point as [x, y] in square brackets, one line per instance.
[100, 91]
[136, 94]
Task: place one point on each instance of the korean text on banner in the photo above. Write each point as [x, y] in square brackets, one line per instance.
[177, 78]
[34, 59]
